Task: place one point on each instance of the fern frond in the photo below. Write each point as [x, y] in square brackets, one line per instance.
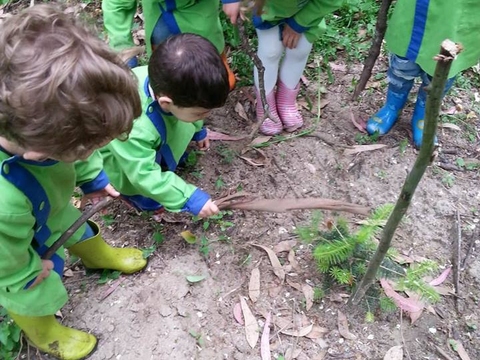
[387, 304]
[342, 276]
[334, 252]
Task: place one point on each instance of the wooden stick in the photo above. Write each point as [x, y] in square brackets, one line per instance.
[448, 51]
[457, 245]
[261, 77]
[75, 226]
[374, 51]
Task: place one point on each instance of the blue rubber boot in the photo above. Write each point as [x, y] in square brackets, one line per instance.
[387, 116]
[419, 113]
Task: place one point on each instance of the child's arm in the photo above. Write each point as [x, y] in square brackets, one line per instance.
[231, 8]
[118, 18]
[136, 165]
[201, 135]
[312, 14]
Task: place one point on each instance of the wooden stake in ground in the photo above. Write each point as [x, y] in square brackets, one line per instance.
[374, 51]
[448, 52]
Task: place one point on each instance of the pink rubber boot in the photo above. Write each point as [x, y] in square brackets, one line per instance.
[287, 107]
[269, 127]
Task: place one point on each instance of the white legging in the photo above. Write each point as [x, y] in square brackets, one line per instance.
[270, 50]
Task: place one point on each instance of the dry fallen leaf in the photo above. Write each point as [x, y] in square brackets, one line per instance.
[338, 67]
[237, 313]
[292, 353]
[284, 246]
[293, 261]
[458, 347]
[308, 293]
[298, 333]
[343, 327]
[254, 285]
[265, 341]
[294, 285]
[394, 353]
[277, 267]
[251, 326]
[215, 135]
[68, 273]
[449, 126]
[440, 279]
[260, 140]
[352, 150]
[240, 110]
[317, 332]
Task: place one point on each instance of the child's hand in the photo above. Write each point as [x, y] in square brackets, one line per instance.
[209, 209]
[47, 265]
[290, 37]
[203, 144]
[97, 196]
[232, 11]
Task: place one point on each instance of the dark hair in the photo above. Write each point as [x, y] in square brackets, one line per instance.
[188, 69]
[63, 92]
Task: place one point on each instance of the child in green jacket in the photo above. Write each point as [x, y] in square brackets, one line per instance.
[163, 18]
[63, 93]
[285, 28]
[184, 80]
[414, 34]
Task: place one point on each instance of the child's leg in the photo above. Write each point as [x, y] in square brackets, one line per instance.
[97, 254]
[401, 75]
[291, 70]
[419, 111]
[270, 50]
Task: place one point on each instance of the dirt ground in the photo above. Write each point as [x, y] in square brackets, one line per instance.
[158, 314]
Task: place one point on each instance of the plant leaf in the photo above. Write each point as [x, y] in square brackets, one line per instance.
[237, 313]
[408, 305]
[277, 267]
[300, 332]
[394, 353]
[195, 278]
[441, 278]
[343, 327]
[265, 340]
[251, 327]
[254, 285]
[309, 294]
[188, 237]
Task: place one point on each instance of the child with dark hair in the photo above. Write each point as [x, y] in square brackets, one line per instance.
[164, 18]
[63, 93]
[184, 80]
[414, 34]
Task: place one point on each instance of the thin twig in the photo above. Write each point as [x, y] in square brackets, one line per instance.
[401, 334]
[456, 258]
[75, 226]
[469, 249]
[261, 77]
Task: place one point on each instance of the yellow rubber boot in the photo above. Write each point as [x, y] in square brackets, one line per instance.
[97, 254]
[49, 336]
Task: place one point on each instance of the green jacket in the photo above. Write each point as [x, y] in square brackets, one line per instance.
[418, 27]
[303, 16]
[133, 166]
[35, 209]
[181, 16]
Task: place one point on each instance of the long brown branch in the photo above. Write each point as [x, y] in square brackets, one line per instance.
[380, 28]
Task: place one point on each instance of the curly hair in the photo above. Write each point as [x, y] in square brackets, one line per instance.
[62, 90]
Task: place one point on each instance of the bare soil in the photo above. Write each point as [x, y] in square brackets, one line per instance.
[158, 314]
